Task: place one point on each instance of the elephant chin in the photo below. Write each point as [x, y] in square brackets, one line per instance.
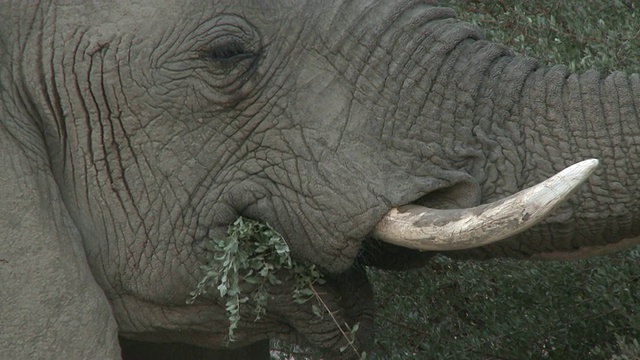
[425, 229]
[348, 300]
[323, 322]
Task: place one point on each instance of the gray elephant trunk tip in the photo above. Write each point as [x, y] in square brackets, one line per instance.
[427, 229]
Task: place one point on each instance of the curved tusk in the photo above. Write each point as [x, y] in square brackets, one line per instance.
[426, 229]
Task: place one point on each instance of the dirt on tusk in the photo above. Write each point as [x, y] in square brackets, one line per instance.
[427, 229]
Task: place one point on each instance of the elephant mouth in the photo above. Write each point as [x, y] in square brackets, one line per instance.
[425, 229]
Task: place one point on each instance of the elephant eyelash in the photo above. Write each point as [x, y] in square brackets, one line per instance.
[227, 53]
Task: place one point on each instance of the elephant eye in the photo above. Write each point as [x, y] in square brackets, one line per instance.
[224, 54]
[227, 52]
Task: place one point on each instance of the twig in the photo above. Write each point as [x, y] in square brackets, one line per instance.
[344, 334]
[397, 323]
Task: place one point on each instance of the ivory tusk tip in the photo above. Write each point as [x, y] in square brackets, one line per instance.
[588, 166]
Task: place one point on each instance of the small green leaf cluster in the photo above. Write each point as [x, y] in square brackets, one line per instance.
[628, 349]
[351, 338]
[249, 257]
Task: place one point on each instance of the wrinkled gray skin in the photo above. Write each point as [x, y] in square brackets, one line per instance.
[130, 132]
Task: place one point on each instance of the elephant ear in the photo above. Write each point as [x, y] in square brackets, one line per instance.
[50, 305]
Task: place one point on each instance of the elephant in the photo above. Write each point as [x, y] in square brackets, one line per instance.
[367, 133]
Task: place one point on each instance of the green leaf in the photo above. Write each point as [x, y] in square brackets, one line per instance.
[317, 311]
[222, 288]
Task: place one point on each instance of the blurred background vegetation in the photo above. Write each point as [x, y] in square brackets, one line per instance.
[581, 34]
[505, 309]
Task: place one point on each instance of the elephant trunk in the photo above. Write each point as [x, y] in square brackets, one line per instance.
[533, 121]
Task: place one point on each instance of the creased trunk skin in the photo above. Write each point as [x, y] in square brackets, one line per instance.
[531, 122]
[563, 118]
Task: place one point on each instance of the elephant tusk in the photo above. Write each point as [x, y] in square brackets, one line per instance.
[427, 229]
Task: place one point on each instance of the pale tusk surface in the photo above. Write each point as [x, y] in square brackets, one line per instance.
[426, 229]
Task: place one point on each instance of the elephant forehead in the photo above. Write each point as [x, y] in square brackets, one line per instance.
[141, 13]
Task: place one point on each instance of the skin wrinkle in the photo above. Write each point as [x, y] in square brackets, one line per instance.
[617, 83]
[130, 76]
[411, 63]
[124, 196]
[612, 131]
[32, 29]
[310, 223]
[85, 113]
[524, 155]
[350, 219]
[146, 185]
[495, 110]
[621, 159]
[174, 222]
[512, 147]
[635, 90]
[441, 77]
[439, 71]
[407, 91]
[167, 49]
[53, 98]
[305, 225]
[83, 107]
[132, 227]
[557, 100]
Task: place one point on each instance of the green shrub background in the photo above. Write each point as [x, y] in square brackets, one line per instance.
[526, 310]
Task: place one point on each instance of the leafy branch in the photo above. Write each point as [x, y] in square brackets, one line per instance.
[251, 253]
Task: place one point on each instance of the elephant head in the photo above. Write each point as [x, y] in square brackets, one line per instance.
[132, 132]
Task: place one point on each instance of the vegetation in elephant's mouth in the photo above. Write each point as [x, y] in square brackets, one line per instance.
[247, 261]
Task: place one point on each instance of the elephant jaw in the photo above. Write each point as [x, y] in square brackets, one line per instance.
[427, 229]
